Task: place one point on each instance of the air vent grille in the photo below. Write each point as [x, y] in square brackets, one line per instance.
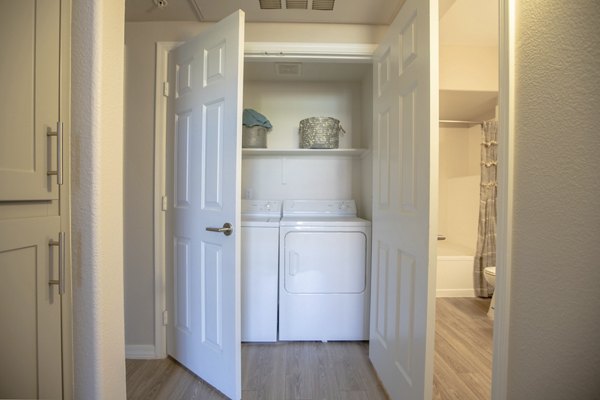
[296, 4]
[270, 4]
[288, 69]
[326, 5]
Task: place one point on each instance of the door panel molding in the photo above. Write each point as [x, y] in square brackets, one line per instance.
[405, 212]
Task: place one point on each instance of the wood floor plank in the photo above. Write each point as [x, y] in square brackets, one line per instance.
[326, 383]
[463, 349]
[336, 370]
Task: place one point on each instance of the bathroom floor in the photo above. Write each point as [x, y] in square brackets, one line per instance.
[312, 370]
[463, 349]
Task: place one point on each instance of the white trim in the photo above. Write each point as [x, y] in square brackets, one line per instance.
[140, 352]
[349, 52]
[506, 102]
[160, 133]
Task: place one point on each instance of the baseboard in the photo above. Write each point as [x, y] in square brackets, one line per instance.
[454, 293]
[140, 351]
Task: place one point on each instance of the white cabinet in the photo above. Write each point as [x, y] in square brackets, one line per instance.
[287, 91]
[29, 77]
[35, 300]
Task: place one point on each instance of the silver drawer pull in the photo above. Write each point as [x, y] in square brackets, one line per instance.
[61, 263]
[227, 229]
[59, 153]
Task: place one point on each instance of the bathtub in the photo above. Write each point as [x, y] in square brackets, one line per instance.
[454, 270]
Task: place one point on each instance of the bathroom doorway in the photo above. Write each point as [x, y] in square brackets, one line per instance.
[469, 93]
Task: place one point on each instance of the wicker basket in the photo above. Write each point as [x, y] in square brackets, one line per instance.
[320, 133]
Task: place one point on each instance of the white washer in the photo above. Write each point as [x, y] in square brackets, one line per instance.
[259, 264]
[324, 271]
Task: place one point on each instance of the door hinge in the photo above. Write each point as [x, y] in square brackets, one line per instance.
[165, 317]
[165, 203]
[166, 89]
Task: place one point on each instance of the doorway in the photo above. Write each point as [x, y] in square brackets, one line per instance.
[469, 95]
[158, 98]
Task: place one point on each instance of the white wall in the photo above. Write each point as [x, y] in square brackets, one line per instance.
[140, 39]
[467, 68]
[459, 185]
[554, 335]
[97, 193]
[286, 103]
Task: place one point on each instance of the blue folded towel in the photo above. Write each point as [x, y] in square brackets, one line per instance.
[252, 117]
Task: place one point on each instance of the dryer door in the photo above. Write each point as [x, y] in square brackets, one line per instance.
[325, 262]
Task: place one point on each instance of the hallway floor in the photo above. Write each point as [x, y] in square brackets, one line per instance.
[336, 370]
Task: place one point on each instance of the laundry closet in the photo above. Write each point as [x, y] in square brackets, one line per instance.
[311, 280]
[289, 90]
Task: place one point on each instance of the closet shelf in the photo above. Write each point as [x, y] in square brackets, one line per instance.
[304, 152]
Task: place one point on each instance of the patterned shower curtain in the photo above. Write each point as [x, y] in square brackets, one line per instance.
[485, 255]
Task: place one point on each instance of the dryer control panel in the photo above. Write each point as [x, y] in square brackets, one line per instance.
[319, 208]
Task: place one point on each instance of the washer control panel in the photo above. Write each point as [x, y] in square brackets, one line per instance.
[261, 207]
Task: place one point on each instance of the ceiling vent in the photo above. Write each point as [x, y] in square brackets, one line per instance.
[288, 69]
[326, 5]
[270, 4]
[296, 4]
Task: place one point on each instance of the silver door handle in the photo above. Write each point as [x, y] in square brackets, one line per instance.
[61, 263]
[227, 229]
[59, 153]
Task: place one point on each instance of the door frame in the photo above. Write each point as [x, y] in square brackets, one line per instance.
[506, 134]
[253, 51]
[160, 200]
[64, 112]
[506, 103]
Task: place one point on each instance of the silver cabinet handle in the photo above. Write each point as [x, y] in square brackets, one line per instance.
[59, 153]
[61, 263]
[227, 229]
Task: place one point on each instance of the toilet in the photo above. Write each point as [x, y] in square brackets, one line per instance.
[490, 276]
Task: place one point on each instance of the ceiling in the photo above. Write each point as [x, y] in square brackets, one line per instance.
[371, 12]
[462, 22]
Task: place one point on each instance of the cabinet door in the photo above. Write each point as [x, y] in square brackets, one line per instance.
[30, 310]
[29, 78]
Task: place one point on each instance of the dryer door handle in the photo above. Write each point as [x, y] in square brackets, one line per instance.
[294, 262]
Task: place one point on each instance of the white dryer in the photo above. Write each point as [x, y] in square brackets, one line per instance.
[324, 271]
[259, 264]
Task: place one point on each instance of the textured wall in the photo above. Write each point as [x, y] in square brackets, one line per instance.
[141, 38]
[97, 207]
[555, 314]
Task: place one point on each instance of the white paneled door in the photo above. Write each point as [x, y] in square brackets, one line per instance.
[405, 202]
[204, 331]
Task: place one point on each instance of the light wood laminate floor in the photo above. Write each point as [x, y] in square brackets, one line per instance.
[463, 349]
[336, 370]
